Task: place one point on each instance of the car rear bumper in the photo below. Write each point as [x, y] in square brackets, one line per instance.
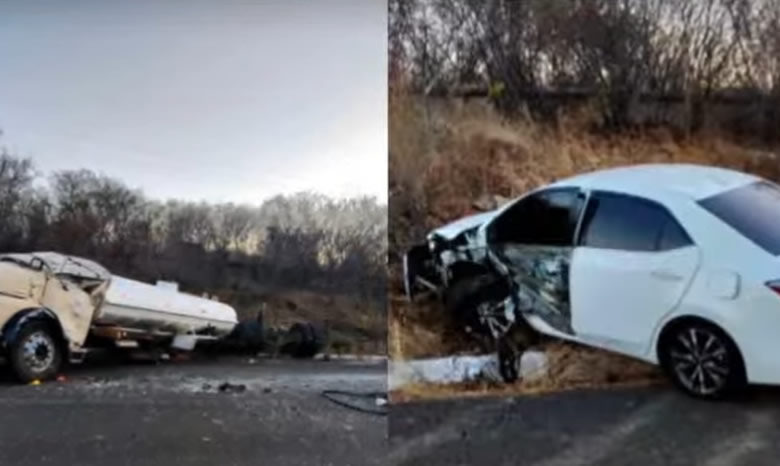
[755, 333]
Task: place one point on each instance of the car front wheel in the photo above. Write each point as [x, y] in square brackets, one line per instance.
[702, 360]
[478, 304]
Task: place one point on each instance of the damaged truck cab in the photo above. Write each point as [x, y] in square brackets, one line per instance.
[47, 302]
[54, 308]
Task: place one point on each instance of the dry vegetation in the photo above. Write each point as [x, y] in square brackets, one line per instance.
[443, 160]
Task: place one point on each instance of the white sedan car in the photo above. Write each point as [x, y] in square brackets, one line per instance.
[673, 264]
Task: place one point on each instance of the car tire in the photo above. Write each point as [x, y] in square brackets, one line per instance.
[463, 298]
[36, 353]
[702, 360]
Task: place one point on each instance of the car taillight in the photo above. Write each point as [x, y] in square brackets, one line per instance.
[774, 285]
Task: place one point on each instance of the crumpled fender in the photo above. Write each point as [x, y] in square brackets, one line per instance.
[15, 324]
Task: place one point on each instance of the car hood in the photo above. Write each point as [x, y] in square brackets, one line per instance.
[453, 229]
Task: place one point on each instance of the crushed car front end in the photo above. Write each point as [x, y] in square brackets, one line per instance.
[433, 265]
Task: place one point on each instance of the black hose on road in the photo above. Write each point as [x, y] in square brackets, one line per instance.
[364, 402]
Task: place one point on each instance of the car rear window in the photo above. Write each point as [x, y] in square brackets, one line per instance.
[753, 210]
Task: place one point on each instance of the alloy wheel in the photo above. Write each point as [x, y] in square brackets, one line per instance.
[699, 358]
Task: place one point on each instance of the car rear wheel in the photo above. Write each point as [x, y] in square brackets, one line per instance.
[702, 360]
[36, 353]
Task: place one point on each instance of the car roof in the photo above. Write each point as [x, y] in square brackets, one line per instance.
[693, 181]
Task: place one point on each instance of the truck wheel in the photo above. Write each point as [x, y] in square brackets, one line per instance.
[304, 340]
[36, 354]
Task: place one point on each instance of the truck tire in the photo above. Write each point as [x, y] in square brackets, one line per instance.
[304, 340]
[36, 353]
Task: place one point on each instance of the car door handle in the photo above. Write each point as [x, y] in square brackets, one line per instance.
[666, 275]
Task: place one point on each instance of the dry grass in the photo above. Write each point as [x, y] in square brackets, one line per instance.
[474, 154]
[442, 161]
[422, 330]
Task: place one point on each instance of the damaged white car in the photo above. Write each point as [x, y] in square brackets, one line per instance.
[673, 264]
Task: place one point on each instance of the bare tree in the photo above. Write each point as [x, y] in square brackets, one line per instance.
[303, 241]
[541, 54]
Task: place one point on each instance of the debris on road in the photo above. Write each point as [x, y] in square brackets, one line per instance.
[224, 387]
[227, 387]
[368, 402]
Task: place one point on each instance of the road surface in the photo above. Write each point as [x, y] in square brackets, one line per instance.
[174, 413]
[638, 426]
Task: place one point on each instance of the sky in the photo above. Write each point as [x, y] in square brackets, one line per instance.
[216, 100]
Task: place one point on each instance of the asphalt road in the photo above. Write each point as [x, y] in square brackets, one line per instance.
[638, 426]
[174, 413]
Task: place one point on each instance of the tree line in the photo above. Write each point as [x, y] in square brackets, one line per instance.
[618, 51]
[301, 241]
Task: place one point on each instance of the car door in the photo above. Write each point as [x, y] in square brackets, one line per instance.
[532, 241]
[632, 265]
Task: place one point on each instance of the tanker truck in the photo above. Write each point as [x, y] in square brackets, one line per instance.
[56, 308]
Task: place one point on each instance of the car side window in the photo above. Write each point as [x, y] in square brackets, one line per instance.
[614, 221]
[546, 218]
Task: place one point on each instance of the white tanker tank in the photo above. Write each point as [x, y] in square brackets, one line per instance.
[162, 308]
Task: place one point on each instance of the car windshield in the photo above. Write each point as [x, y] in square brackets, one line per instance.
[753, 210]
